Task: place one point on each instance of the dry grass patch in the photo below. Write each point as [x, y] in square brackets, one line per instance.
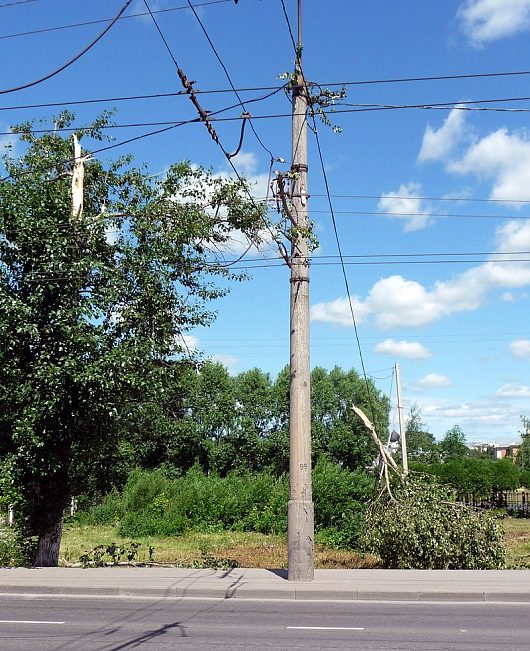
[247, 548]
[517, 542]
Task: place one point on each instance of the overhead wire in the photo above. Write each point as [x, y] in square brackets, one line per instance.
[423, 198]
[217, 140]
[100, 100]
[309, 106]
[55, 72]
[238, 118]
[432, 215]
[402, 80]
[198, 91]
[14, 4]
[172, 125]
[104, 20]
[227, 74]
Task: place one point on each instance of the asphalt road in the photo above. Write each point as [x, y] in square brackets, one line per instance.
[108, 624]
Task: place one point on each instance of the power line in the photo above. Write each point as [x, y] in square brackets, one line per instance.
[255, 117]
[330, 203]
[204, 266]
[71, 61]
[164, 129]
[419, 198]
[401, 80]
[379, 263]
[14, 4]
[420, 214]
[104, 20]
[227, 74]
[274, 89]
[452, 104]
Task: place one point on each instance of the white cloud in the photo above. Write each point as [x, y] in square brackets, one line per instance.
[439, 143]
[405, 204]
[409, 349]
[185, 343]
[395, 301]
[520, 348]
[503, 157]
[190, 341]
[230, 362]
[489, 20]
[514, 390]
[246, 164]
[433, 381]
[480, 414]
[508, 297]
[338, 311]
[112, 234]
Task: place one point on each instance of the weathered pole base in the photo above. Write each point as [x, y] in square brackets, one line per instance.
[300, 538]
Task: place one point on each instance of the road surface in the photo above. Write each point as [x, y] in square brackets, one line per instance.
[110, 624]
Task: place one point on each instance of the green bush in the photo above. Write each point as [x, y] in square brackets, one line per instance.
[154, 504]
[109, 511]
[14, 551]
[340, 498]
[148, 523]
[424, 529]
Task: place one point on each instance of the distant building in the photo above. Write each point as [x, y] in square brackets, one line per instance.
[506, 451]
[497, 450]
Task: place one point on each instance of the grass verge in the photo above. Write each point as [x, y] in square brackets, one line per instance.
[248, 549]
[255, 549]
[517, 542]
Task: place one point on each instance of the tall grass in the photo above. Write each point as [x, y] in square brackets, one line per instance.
[153, 504]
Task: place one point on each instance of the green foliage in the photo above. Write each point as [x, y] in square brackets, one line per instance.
[422, 528]
[340, 498]
[112, 554]
[153, 504]
[476, 479]
[421, 444]
[336, 430]
[93, 309]
[453, 445]
[14, 550]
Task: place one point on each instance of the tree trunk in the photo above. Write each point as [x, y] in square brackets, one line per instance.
[47, 554]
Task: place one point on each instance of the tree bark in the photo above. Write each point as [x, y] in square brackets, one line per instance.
[47, 554]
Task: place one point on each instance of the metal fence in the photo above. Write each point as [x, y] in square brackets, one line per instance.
[516, 503]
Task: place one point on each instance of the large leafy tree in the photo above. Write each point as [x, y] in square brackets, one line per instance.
[421, 444]
[93, 310]
[335, 428]
[453, 444]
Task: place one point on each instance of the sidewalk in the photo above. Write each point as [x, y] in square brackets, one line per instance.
[373, 585]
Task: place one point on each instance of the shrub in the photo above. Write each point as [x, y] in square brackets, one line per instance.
[154, 504]
[341, 497]
[148, 523]
[14, 550]
[422, 528]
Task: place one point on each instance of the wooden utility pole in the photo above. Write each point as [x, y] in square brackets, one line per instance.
[402, 434]
[300, 509]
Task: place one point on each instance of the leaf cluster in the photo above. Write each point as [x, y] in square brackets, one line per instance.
[421, 527]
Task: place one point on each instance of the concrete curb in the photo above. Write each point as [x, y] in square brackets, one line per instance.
[413, 586]
[244, 592]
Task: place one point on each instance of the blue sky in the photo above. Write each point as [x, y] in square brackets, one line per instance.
[454, 185]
